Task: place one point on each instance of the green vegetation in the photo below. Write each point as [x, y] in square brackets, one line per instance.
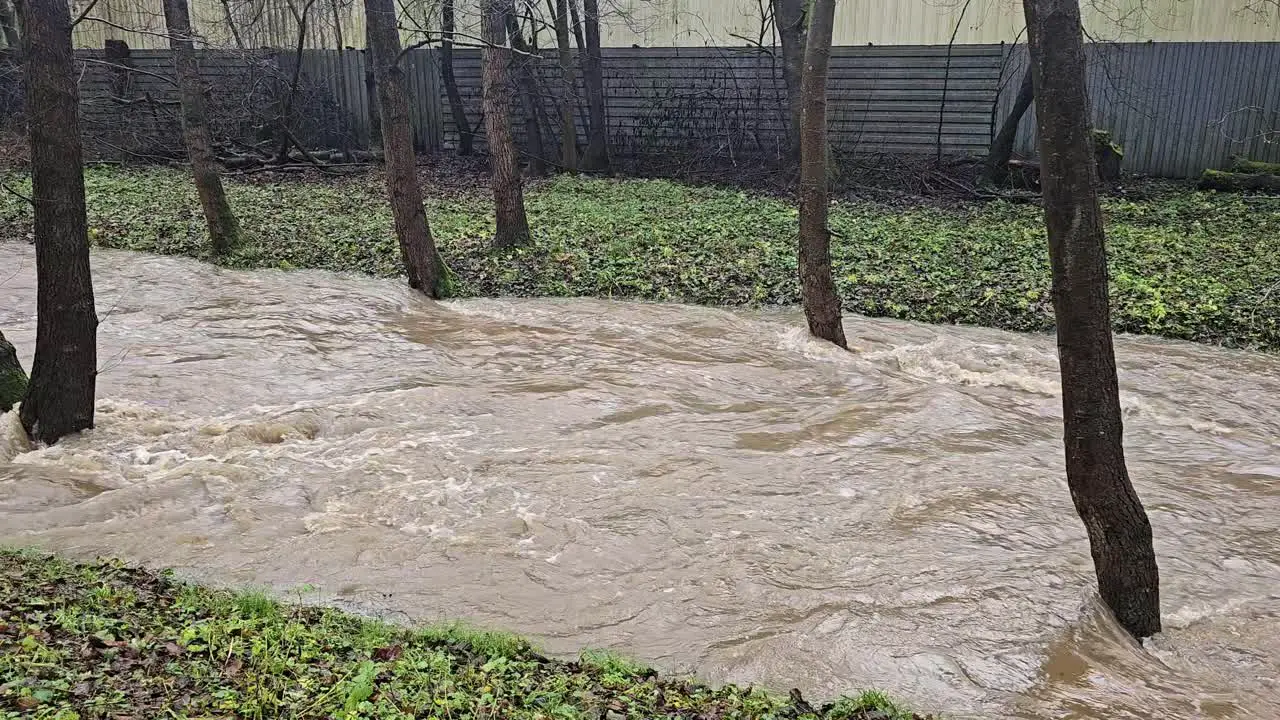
[101, 640]
[13, 380]
[1184, 264]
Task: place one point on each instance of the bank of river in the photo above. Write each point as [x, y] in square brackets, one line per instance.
[103, 640]
[1184, 264]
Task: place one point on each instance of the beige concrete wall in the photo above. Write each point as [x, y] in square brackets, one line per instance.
[663, 23]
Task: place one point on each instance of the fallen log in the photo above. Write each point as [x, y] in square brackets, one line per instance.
[1254, 167]
[1238, 182]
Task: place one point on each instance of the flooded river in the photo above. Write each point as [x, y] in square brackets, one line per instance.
[705, 489]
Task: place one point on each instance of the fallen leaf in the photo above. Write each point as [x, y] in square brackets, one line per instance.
[388, 653]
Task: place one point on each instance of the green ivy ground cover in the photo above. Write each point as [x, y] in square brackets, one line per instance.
[1184, 264]
[102, 640]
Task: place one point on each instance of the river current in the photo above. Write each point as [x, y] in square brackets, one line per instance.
[705, 489]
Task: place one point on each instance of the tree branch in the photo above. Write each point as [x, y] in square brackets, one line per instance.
[84, 13]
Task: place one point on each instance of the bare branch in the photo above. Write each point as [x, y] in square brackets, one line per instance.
[17, 194]
[85, 12]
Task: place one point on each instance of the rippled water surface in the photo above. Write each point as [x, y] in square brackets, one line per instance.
[705, 489]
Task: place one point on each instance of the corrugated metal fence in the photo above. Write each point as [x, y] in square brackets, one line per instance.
[342, 72]
[1176, 108]
[732, 102]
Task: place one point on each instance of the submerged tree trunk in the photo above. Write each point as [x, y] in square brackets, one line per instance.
[568, 88]
[421, 260]
[1118, 528]
[466, 135]
[817, 289]
[59, 399]
[530, 99]
[224, 231]
[508, 195]
[789, 18]
[597, 159]
[13, 379]
[996, 170]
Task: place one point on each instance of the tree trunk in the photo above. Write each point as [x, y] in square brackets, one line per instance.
[371, 92]
[59, 398]
[13, 379]
[817, 289]
[224, 231]
[1118, 528]
[996, 171]
[295, 80]
[9, 24]
[530, 99]
[418, 249]
[568, 88]
[508, 195]
[597, 159]
[466, 135]
[789, 18]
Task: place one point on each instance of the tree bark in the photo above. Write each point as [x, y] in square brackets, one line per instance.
[508, 195]
[530, 99]
[9, 24]
[817, 289]
[224, 231]
[597, 159]
[371, 92]
[1117, 525]
[59, 398]
[418, 249]
[568, 88]
[13, 379]
[789, 18]
[996, 170]
[295, 80]
[448, 25]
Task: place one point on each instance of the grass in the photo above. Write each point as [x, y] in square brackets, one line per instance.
[1185, 264]
[103, 640]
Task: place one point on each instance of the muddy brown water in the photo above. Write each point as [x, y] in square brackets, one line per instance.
[705, 489]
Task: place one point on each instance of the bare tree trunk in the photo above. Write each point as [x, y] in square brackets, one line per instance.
[597, 159]
[508, 195]
[575, 22]
[789, 18]
[59, 398]
[569, 88]
[1118, 528]
[286, 113]
[418, 249]
[530, 99]
[448, 25]
[817, 289]
[228, 16]
[996, 170]
[9, 24]
[371, 91]
[224, 231]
